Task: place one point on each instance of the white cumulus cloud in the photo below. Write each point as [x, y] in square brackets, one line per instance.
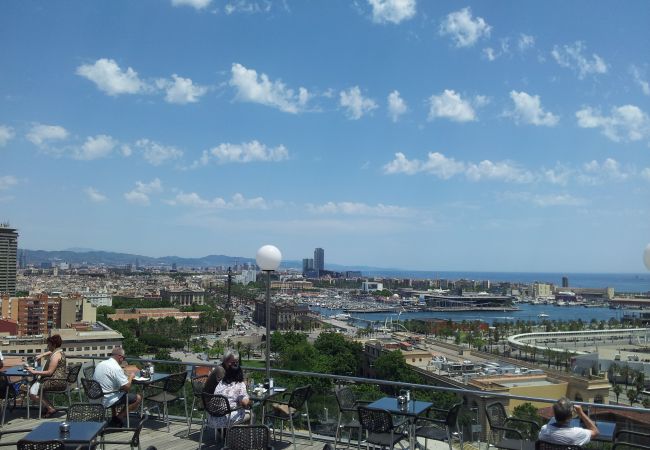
[6, 134]
[41, 135]
[396, 106]
[140, 195]
[157, 154]
[110, 78]
[627, 123]
[359, 209]
[94, 195]
[246, 152]
[181, 90]
[393, 11]
[450, 105]
[528, 110]
[597, 172]
[95, 147]
[196, 4]
[7, 181]
[464, 30]
[498, 171]
[557, 200]
[255, 88]
[571, 56]
[238, 201]
[355, 104]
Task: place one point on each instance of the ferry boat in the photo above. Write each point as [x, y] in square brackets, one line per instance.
[542, 316]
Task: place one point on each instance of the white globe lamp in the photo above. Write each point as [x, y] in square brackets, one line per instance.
[268, 257]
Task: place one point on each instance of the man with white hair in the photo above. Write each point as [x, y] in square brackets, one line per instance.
[112, 378]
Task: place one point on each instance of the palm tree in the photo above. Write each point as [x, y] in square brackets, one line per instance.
[632, 395]
[639, 381]
[549, 355]
[249, 350]
[625, 373]
[617, 389]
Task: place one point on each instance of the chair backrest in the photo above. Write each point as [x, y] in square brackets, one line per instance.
[346, 399]
[39, 445]
[542, 445]
[375, 420]
[73, 373]
[299, 396]
[89, 372]
[86, 412]
[197, 384]
[4, 383]
[175, 382]
[92, 388]
[252, 437]
[135, 439]
[496, 414]
[629, 446]
[216, 405]
[452, 416]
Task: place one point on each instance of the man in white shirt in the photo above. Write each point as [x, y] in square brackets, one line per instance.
[561, 432]
[111, 377]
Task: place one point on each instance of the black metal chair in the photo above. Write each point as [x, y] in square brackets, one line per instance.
[8, 395]
[197, 391]
[503, 435]
[169, 392]
[440, 429]
[542, 445]
[131, 434]
[287, 406]
[630, 439]
[40, 445]
[89, 372]
[95, 394]
[217, 406]
[61, 385]
[348, 418]
[380, 429]
[252, 437]
[73, 381]
[86, 412]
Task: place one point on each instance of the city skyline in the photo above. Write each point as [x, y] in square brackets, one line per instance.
[450, 136]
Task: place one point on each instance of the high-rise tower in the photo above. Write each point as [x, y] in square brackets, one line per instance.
[319, 260]
[8, 253]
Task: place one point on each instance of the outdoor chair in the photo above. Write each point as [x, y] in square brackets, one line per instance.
[252, 437]
[197, 391]
[348, 417]
[40, 445]
[170, 391]
[287, 406]
[61, 385]
[86, 412]
[89, 372]
[130, 435]
[215, 405]
[8, 395]
[440, 429]
[73, 381]
[542, 445]
[11, 444]
[629, 439]
[380, 429]
[95, 394]
[503, 435]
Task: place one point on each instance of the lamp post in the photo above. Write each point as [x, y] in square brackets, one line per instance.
[268, 259]
[646, 257]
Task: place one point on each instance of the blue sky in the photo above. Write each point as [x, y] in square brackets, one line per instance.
[502, 136]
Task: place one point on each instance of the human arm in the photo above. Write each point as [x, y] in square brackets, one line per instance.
[51, 367]
[41, 356]
[126, 387]
[242, 395]
[586, 421]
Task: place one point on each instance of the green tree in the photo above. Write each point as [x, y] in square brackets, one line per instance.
[632, 395]
[617, 389]
[342, 357]
[526, 411]
[392, 366]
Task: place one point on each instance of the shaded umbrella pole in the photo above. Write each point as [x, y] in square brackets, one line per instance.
[268, 324]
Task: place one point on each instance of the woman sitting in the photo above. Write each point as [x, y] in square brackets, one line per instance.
[54, 368]
[232, 387]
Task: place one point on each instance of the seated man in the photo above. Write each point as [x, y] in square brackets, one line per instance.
[111, 377]
[561, 432]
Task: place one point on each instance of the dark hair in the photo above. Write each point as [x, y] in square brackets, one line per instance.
[55, 340]
[233, 375]
[563, 409]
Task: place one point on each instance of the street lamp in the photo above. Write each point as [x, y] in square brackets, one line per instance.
[268, 259]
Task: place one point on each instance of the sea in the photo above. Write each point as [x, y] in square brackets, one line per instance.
[621, 282]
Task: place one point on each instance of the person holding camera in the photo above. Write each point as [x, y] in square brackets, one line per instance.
[561, 432]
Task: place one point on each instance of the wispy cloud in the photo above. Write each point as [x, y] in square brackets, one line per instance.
[355, 104]
[525, 42]
[247, 7]
[157, 154]
[543, 200]
[463, 29]
[41, 135]
[627, 123]
[181, 90]
[640, 79]
[571, 56]
[595, 172]
[255, 88]
[238, 201]
[392, 11]
[94, 195]
[7, 181]
[196, 4]
[450, 105]
[246, 152]
[645, 173]
[95, 147]
[396, 106]
[6, 134]
[140, 195]
[359, 209]
[528, 110]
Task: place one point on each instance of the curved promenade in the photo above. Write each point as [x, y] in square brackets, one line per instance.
[559, 341]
